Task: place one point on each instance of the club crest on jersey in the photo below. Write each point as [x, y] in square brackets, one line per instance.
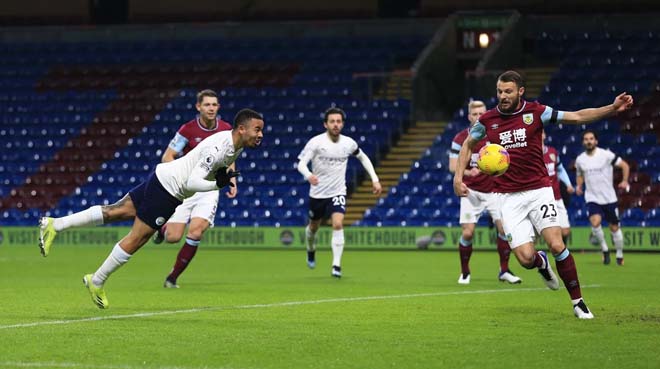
[553, 157]
[528, 118]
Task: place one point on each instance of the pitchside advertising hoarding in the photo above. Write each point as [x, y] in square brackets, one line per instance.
[431, 238]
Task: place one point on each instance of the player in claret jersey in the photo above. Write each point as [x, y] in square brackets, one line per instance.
[479, 198]
[557, 173]
[526, 198]
[198, 210]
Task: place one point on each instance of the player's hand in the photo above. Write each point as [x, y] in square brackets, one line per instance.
[578, 190]
[622, 102]
[233, 190]
[474, 171]
[377, 189]
[460, 189]
[624, 185]
[570, 190]
[223, 177]
[313, 180]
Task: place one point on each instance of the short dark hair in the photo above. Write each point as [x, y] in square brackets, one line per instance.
[204, 93]
[244, 116]
[512, 76]
[333, 110]
[592, 132]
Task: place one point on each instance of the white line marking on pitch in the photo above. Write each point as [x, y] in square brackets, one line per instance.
[276, 304]
[21, 364]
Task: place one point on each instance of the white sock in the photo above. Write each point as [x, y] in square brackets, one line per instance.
[310, 239]
[337, 247]
[617, 237]
[90, 217]
[600, 236]
[117, 258]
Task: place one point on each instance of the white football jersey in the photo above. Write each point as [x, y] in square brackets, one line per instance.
[212, 153]
[597, 170]
[329, 161]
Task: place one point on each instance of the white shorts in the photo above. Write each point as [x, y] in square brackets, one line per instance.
[562, 214]
[474, 204]
[200, 205]
[527, 211]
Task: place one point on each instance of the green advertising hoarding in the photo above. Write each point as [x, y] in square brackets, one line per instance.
[434, 238]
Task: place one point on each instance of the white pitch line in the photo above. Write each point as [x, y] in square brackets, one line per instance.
[276, 304]
[22, 364]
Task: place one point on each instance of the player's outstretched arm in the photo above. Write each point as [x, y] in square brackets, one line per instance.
[621, 103]
[579, 181]
[369, 167]
[169, 155]
[460, 189]
[625, 171]
[306, 173]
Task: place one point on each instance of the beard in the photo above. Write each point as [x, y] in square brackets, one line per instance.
[512, 108]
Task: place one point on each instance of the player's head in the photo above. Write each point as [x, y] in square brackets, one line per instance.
[333, 121]
[207, 105]
[250, 126]
[475, 109]
[589, 140]
[510, 88]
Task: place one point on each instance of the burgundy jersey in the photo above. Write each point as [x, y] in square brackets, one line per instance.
[192, 133]
[520, 133]
[551, 160]
[481, 182]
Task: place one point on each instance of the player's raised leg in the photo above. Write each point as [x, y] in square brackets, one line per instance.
[310, 242]
[597, 231]
[93, 216]
[120, 255]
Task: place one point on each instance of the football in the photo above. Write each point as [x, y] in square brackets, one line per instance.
[493, 160]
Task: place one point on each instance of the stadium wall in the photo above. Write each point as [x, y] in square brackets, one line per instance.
[368, 238]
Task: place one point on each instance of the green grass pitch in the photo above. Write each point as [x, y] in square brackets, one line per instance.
[252, 309]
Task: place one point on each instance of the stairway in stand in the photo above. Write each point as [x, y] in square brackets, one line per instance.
[410, 147]
[536, 79]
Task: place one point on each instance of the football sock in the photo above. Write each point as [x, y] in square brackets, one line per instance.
[504, 251]
[88, 217]
[116, 259]
[537, 262]
[617, 237]
[163, 231]
[600, 236]
[568, 273]
[310, 239]
[464, 252]
[185, 256]
[337, 246]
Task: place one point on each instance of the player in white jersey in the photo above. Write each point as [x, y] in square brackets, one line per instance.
[329, 154]
[153, 201]
[594, 169]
